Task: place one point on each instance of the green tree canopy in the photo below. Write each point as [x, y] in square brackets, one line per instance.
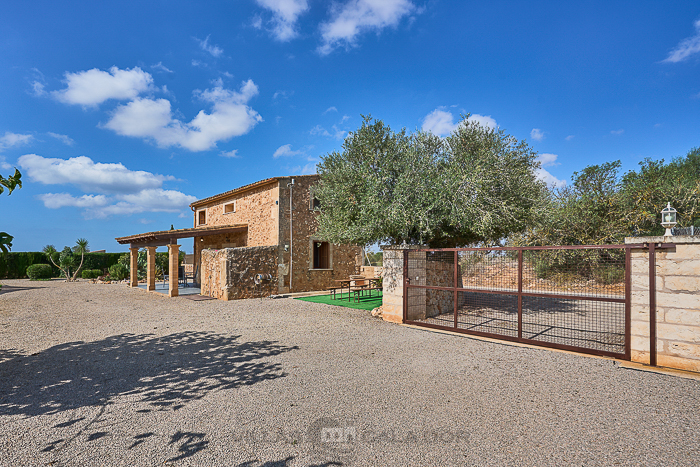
[476, 185]
[11, 182]
[602, 207]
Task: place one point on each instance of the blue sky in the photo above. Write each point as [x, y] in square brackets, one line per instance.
[119, 114]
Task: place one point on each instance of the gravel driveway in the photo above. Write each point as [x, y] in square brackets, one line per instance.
[106, 375]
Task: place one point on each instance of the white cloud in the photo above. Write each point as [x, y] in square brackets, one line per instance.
[285, 151]
[214, 50]
[686, 47]
[537, 134]
[88, 175]
[617, 132]
[67, 140]
[38, 89]
[160, 67]
[60, 200]
[283, 94]
[232, 154]
[337, 133]
[344, 119]
[330, 109]
[121, 191]
[569, 138]
[92, 87]
[285, 14]
[153, 119]
[4, 165]
[359, 16]
[10, 140]
[548, 160]
[441, 123]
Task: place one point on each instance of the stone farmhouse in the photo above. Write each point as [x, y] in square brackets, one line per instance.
[266, 229]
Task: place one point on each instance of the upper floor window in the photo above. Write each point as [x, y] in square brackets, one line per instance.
[230, 207]
[314, 203]
[202, 217]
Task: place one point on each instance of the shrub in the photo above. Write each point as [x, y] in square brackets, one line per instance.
[13, 265]
[91, 273]
[39, 271]
[118, 272]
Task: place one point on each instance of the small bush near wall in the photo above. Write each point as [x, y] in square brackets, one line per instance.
[91, 273]
[118, 272]
[39, 271]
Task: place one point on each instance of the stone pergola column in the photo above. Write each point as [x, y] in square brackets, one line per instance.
[134, 267]
[173, 259]
[150, 268]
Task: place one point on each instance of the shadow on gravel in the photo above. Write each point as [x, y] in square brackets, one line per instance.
[5, 289]
[285, 463]
[165, 372]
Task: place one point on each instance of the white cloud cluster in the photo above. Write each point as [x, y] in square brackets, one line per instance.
[92, 87]
[9, 140]
[153, 119]
[335, 132]
[687, 47]
[286, 151]
[214, 50]
[116, 189]
[65, 139]
[285, 14]
[617, 132]
[441, 123]
[537, 134]
[359, 16]
[548, 160]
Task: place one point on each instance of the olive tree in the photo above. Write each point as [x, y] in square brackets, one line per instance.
[477, 185]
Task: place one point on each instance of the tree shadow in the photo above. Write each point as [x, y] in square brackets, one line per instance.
[5, 289]
[165, 372]
[285, 463]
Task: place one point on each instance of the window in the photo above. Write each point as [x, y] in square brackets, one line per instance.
[314, 203]
[231, 207]
[202, 217]
[321, 255]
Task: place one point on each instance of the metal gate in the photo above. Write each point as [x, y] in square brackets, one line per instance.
[571, 297]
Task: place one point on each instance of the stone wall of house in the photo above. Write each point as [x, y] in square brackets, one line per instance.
[677, 303]
[344, 259]
[229, 274]
[257, 207]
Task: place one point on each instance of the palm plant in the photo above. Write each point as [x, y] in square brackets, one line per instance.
[81, 246]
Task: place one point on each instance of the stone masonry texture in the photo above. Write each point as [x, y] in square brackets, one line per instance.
[677, 303]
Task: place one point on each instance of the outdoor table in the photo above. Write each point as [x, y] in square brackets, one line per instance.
[343, 283]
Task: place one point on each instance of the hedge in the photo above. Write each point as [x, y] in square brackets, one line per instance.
[14, 265]
[39, 271]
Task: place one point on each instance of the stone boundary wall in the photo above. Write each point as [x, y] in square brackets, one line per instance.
[677, 302]
[229, 274]
[392, 282]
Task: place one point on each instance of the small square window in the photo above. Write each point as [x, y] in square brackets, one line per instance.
[230, 207]
[202, 217]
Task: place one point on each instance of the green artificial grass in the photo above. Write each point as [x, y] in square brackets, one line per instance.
[366, 302]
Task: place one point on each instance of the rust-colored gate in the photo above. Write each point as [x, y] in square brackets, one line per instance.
[572, 297]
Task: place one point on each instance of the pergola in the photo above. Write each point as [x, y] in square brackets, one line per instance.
[152, 240]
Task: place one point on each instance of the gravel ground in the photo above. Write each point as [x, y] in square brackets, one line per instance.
[106, 375]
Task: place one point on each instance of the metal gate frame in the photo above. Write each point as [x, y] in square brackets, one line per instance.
[520, 294]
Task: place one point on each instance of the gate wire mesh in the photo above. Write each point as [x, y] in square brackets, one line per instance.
[569, 297]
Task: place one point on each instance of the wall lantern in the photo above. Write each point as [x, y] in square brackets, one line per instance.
[668, 219]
